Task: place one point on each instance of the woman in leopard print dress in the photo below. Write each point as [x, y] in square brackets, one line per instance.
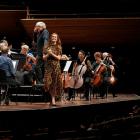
[52, 54]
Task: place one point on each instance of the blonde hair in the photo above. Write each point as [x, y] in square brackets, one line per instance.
[25, 47]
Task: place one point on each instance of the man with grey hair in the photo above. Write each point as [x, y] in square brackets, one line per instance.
[41, 36]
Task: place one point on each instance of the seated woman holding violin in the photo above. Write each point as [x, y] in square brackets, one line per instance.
[27, 72]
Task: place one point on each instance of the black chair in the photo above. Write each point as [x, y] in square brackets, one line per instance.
[4, 87]
[7, 84]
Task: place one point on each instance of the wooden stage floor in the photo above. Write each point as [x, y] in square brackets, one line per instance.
[36, 118]
[19, 106]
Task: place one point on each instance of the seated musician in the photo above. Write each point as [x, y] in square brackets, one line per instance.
[10, 52]
[110, 78]
[7, 65]
[5, 43]
[87, 78]
[28, 70]
[80, 75]
[99, 74]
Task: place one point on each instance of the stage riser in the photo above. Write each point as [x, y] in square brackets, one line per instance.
[28, 94]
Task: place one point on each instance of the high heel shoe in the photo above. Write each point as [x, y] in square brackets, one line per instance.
[52, 105]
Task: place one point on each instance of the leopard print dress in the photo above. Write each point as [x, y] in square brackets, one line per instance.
[52, 76]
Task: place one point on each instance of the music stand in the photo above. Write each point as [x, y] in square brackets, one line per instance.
[65, 71]
[67, 66]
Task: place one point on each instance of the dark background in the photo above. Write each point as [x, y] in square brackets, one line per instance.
[120, 7]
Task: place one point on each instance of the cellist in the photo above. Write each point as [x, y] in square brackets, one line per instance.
[110, 78]
[80, 71]
[99, 71]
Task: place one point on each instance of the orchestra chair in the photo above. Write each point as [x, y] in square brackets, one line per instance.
[96, 92]
[4, 87]
[90, 93]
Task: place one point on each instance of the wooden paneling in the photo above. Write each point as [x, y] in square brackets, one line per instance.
[10, 23]
[90, 30]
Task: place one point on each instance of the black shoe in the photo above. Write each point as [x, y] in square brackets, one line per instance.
[83, 97]
[68, 98]
[114, 96]
[87, 98]
[6, 101]
[102, 96]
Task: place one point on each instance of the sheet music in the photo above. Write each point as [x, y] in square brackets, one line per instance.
[15, 64]
[67, 66]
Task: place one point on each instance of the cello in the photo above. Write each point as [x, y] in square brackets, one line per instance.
[112, 79]
[97, 78]
[65, 79]
[76, 80]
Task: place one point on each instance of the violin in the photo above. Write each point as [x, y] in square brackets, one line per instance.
[30, 60]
